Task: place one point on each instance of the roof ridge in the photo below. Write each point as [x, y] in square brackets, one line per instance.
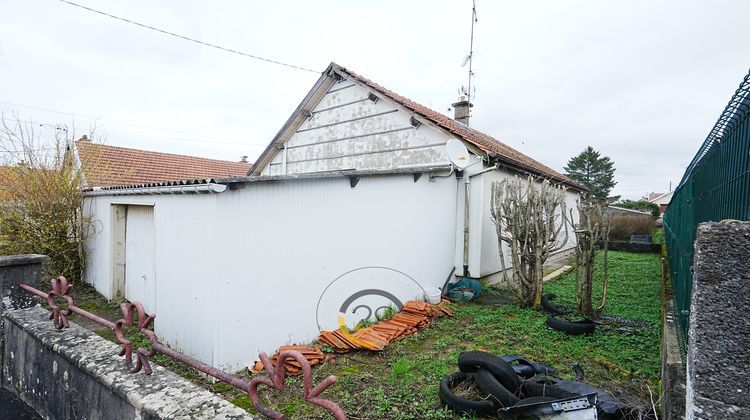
[480, 139]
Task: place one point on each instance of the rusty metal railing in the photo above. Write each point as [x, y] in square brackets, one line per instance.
[274, 379]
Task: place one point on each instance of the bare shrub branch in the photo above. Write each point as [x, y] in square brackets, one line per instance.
[530, 219]
[593, 226]
[40, 211]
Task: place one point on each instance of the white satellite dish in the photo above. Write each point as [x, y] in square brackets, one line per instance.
[457, 153]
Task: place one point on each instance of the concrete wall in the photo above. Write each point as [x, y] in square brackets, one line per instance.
[673, 386]
[75, 374]
[718, 360]
[246, 270]
[14, 270]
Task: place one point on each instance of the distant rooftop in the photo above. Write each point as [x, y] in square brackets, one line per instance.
[108, 166]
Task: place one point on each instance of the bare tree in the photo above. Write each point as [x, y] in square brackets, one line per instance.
[40, 198]
[530, 219]
[593, 227]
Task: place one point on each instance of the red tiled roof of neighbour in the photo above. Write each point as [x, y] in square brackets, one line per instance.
[481, 140]
[654, 196]
[106, 166]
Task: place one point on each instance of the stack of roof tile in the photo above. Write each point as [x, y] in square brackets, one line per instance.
[313, 354]
[413, 317]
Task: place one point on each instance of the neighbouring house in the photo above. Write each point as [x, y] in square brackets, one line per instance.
[108, 166]
[661, 199]
[355, 206]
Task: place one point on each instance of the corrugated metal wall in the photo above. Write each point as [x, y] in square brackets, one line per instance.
[242, 271]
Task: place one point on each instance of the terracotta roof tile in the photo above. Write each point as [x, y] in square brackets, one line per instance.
[106, 166]
[481, 140]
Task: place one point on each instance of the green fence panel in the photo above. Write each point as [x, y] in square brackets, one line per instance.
[715, 187]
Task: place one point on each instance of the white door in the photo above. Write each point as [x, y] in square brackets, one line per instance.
[140, 282]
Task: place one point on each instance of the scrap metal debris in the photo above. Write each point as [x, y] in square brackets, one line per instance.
[312, 354]
[276, 377]
[413, 317]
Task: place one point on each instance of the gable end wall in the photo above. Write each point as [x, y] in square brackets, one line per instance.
[347, 130]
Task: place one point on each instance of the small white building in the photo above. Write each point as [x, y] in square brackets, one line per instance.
[661, 200]
[354, 206]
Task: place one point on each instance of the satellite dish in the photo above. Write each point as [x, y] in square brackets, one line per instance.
[457, 153]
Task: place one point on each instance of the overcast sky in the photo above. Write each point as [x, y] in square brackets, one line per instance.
[641, 81]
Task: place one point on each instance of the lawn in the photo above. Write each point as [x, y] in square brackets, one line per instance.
[402, 381]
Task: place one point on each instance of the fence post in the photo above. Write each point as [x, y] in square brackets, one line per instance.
[14, 270]
[719, 348]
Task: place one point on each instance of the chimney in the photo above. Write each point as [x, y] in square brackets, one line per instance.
[243, 159]
[462, 110]
[84, 138]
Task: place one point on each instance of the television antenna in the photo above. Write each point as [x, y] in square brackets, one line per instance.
[469, 58]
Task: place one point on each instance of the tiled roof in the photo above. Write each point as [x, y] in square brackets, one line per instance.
[483, 141]
[106, 166]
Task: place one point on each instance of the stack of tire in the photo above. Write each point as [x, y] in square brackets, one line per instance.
[513, 386]
[503, 384]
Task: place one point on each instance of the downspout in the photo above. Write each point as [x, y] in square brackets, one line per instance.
[467, 196]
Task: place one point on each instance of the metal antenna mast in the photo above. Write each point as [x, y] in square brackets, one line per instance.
[471, 46]
[464, 93]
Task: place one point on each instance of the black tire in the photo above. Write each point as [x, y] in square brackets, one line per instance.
[584, 326]
[544, 380]
[470, 361]
[487, 382]
[579, 372]
[527, 368]
[534, 389]
[534, 400]
[552, 308]
[459, 405]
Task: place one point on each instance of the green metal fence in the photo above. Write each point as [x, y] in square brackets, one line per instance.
[715, 186]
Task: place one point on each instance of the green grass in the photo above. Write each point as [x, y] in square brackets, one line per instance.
[402, 381]
[658, 236]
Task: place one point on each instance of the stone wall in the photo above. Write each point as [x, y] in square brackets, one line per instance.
[718, 360]
[74, 374]
[14, 270]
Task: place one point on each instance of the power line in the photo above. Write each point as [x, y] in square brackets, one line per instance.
[207, 44]
[57, 127]
[90, 118]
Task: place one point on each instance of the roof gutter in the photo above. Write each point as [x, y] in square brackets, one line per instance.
[210, 188]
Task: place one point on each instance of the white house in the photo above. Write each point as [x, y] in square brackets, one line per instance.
[354, 206]
[661, 200]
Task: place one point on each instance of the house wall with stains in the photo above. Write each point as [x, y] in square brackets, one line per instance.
[246, 270]
[484, 257]
[351, 128]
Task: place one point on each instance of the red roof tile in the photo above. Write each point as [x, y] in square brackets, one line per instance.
[105, 166]
[483, 141]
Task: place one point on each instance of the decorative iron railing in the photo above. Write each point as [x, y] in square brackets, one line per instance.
[275, 375]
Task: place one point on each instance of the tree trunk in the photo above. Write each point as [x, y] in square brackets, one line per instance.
[586, 286]
[538, 283]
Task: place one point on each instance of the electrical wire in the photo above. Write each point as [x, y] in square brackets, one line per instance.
[207, 44]
[57, 127]
[90, 118]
